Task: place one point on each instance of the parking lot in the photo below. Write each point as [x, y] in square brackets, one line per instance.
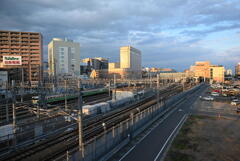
[220, 104]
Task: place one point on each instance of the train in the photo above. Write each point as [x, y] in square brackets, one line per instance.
[104, 107]
[52, 99]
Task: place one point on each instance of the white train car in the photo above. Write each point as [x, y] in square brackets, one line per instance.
[101, 107]
[104, 107]
[89, 110]
[123, 101]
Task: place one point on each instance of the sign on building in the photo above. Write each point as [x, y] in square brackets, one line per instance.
[12, 60]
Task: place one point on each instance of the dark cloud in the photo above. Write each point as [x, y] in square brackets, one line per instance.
[163, 30]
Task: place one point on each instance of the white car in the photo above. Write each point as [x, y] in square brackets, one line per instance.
[215, 94]
[207, 98]
[235, 102]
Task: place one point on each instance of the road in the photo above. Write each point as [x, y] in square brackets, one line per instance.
[152, 146]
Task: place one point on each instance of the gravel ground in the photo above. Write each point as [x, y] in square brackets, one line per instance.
[204, 138]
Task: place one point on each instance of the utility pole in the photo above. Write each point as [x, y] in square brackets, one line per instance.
[22, 85]
[150, 80]
[109, 88]
[158, 89]
[114, 80]
[80, 127]
[41, 98]
[183, 85]
[65, 87]
[7, 116]
[14, 112]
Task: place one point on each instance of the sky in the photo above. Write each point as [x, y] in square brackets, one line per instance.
[169, 33]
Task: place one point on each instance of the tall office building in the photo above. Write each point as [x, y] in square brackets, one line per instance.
[130, 58]
[21, 55]
[63, 58]
[130, 62]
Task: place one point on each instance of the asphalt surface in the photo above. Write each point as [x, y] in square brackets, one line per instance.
[153, 145]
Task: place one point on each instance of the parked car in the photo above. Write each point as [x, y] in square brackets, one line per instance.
[235, 102]
[215, 94]
[207, 98]
[238, 109]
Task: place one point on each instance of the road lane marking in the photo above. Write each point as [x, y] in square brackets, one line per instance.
[147, 134]
[164, 118]
[169, 137]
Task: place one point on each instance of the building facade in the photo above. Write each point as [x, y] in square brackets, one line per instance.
[204, 71]
[21, 54]
[201, 69]
[237, 71]
[217, 73]
[63, 58]
[130, 58]
[95, 67]
[130, 66]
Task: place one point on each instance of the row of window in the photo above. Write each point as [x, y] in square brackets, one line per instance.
[15, 41]
[18, 33]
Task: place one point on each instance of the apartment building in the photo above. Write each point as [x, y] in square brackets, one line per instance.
[21, 54]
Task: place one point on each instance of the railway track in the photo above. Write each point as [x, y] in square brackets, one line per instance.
[109, 123]
[22, 110]
[91, 129]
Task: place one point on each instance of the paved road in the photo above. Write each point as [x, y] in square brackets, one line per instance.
[152, 146]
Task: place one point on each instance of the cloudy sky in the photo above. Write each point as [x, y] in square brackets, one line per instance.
[170, 33]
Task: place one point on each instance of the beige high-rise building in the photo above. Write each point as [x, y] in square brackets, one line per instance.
[217, 73]
[130, 62]
[63, 58]
[21, 54]
[130, 66]
[131, 58]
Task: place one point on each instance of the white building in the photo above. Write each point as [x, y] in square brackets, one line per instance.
[63, 58]
[131, 59]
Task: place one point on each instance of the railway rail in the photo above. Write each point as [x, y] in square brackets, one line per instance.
[22, 109]
[91, 128]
